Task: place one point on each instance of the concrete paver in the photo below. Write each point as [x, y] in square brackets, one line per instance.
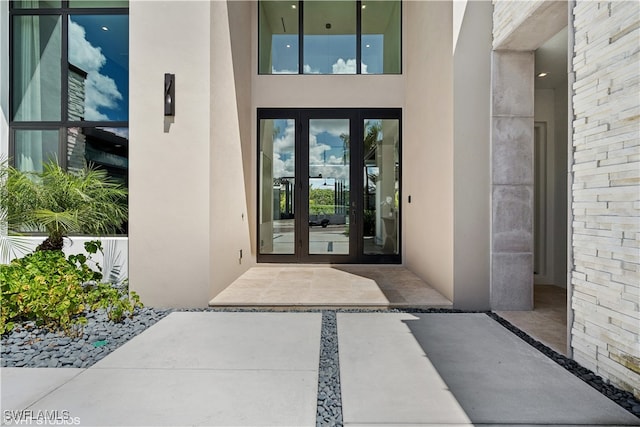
[258, 368]
[20, 387]
[499, 379]
[224, 340]
[201, 369]
[385, 376]
[187, 397]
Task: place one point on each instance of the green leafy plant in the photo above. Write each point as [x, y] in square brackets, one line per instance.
[11, 246]
[54, 291]
[116, 300]
[60, 203]
[113, 300]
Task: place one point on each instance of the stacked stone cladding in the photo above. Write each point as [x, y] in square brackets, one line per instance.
[508, 15]
[606, 191]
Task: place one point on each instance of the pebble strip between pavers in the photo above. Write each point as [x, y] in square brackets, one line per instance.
[329, 396]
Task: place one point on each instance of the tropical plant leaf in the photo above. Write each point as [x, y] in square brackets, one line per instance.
[87, 201]
[62, 223]
[112, 263]
[11, 246]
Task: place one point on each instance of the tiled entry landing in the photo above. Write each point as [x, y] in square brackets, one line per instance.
[370, 286]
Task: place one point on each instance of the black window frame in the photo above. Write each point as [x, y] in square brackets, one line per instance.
[300, 9]
[63, 125]
[356, 251]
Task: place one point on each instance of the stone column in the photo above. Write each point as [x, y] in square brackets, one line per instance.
[512, 180]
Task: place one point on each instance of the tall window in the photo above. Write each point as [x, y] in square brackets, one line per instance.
[331, 37]
[69, 84]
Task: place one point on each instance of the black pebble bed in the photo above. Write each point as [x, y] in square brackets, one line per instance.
[32, 347]
[29, 346]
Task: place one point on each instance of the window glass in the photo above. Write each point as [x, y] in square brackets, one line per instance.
[96, 71]
[33, 148]
[381, 37]
[381, 187]
[329, 168]
[329, 37]
[36, 68]
[98, 67]
[278, 28]
[277, 184]
[107, 148]
[98, 3]
[35, 4]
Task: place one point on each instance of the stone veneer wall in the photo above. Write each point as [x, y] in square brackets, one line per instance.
[606, 191]
[509, 15]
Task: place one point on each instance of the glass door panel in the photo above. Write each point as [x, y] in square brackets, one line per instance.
[277, 184]
[329, 186]
[381, 175]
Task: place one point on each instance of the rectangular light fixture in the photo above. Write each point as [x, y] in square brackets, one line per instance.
[169, 94]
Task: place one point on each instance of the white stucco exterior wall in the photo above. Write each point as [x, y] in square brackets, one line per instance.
[471, 133]
[551, 108]
[230, 247]
[169, 208]
[428, 143]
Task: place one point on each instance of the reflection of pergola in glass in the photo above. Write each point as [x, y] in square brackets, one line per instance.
[285, 186]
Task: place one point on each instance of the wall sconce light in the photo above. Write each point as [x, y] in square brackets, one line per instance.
[169, 94]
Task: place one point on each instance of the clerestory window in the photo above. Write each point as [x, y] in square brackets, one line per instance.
[330, 37]
[69, 90]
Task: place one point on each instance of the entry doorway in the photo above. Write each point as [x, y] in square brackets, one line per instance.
[329, 185]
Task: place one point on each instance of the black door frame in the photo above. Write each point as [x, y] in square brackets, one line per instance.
[356, 118]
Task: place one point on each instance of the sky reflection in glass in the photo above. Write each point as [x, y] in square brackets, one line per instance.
[99, 45]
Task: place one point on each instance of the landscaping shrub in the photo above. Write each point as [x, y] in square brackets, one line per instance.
[54, 290]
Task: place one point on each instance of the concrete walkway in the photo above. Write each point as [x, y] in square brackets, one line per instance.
[261, 369]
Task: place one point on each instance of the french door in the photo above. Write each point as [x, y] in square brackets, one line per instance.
[329, 185]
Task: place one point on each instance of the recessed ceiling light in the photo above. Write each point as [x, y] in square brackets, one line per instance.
[293, 6]
[543, 74]
[368, 45]
[105, 28]
[364, 6]
[288, 46]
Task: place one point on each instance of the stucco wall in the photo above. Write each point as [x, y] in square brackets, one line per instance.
[169, 174]
[230, 248]
[471, 127]
[428, 143]
[606, 191]
[551, 109]
[241, 13]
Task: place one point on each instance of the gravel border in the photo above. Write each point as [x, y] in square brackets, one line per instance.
[30, 346]
[329, 411]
